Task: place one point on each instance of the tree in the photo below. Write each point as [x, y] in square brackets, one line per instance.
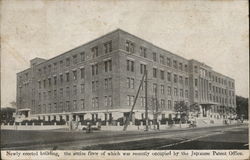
[7, 114]
[181, 109]
[242, 107]
[195, 108]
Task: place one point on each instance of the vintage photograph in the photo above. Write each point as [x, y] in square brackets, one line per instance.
[124, 75]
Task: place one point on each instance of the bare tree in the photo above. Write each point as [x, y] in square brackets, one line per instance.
[181, 109]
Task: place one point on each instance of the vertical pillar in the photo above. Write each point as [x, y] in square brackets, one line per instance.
[133, 118]
[77, 118]
[70, 117]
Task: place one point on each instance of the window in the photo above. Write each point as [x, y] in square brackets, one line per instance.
[49, 94]
[186, 93]
[180, 80]
[49, 81]
[130, 100]
[154, 88]
[169, 104]
[44, 95]
[61, 63]
[195, 69]
[44, 83]
[74, 105]
[162, 60]
[162, 89]
[169, 91]
[195, 82]
[61, 107]
[143, 68]
[106, 83]
[67, 107]
[169, 62]
[154, 57]
[130, 47]
[108, 101]
[130, 83]
[39, 84]
[44, 69]
[181, 93]
[162, 75]
[55, 93]
[175, 92]
[67, 77]
[74, 90]
[143, 52]
[143, 101]
[154, 72]
[175, 64]
[130, 65]
[49, 68]
[82, 88]
[110, 83]
[67, 91]
[55, 107]
[75, 59]
[196, 94]
[186, 68]
[94, 51]
[108, 47]
[186, 81]
[82, 104]
[169, 77]
[39, 96]
[55, 66]
[61, 78]
[162, 103]
[180, 66]
[175, 78]
[95, 85]
[67, 61]
[95, 103]
[61, 92]
[94, 69]
[82, 56]
[108, 65]
[55, 80]
[82, 70]
[74, 75]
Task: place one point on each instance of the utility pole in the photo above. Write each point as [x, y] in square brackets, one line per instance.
[131, 112]
[146, 98]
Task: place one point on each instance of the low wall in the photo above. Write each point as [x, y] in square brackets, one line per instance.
[24, 127]
[115, 128]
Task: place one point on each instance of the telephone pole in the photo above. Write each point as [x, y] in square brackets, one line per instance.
[146, 98]
[131, 112]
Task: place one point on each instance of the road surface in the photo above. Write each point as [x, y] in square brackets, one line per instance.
[220, 137]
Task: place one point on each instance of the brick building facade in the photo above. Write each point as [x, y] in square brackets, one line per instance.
[99, 80]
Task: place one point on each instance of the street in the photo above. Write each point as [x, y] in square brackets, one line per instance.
[220, 137]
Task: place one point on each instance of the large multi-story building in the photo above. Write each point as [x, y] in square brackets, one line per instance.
[99, 80]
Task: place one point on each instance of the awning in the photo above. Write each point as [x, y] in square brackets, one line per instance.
[101, 116]
[117, 115]
[24, 109]
[88, 116]
[138, 115]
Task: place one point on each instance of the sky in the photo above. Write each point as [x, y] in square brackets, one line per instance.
[213, 32]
